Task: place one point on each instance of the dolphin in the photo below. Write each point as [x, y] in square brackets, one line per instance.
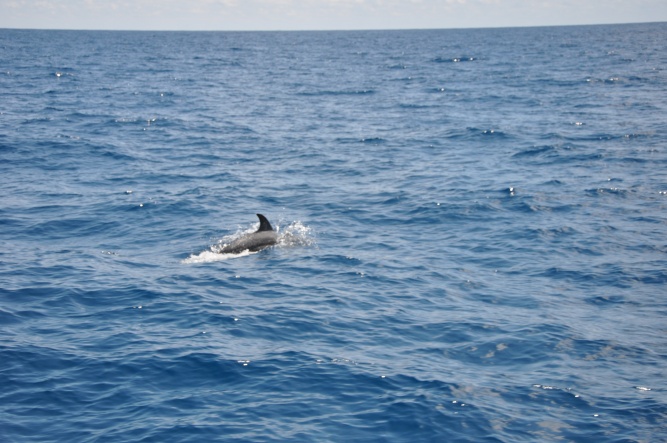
[264, 237]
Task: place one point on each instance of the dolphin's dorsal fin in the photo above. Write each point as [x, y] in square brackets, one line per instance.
[264, 224]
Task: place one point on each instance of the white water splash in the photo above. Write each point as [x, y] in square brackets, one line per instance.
[209, 256]
[295, 234]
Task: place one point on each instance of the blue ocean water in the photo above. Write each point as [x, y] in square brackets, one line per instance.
[473, 235]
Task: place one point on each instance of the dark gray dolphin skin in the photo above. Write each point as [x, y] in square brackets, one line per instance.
[264, 237]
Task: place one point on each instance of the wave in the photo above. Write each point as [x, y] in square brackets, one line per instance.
[459, 59]
[342, 92]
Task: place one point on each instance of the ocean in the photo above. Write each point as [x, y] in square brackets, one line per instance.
[472, 235]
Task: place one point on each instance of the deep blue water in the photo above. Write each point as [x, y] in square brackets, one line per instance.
[473, 236]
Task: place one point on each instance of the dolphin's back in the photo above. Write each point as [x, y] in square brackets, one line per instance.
[252, 242]
[265, 236]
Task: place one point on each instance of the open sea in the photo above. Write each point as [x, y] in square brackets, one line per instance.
[473, 235]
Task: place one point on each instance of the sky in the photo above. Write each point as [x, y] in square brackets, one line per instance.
[320, 14]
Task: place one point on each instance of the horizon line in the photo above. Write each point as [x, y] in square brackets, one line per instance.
[333, 29]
